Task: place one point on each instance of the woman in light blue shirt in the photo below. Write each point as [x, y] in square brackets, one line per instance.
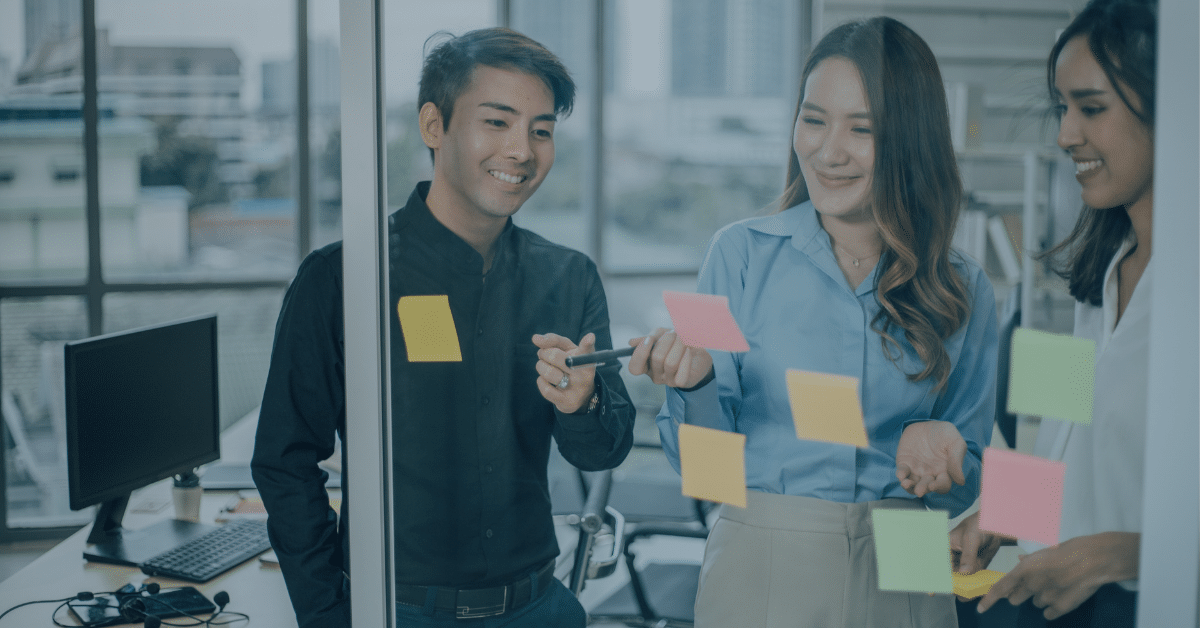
[854, 276]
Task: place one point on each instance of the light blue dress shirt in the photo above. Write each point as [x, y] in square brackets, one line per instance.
[797, 311]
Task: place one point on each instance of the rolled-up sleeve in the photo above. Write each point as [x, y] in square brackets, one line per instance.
[603, 438]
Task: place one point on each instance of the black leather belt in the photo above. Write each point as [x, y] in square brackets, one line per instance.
[470, 603]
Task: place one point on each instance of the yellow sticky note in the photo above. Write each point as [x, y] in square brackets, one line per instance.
[825, 407]
[976, 584]
[713, 464]
[428, 329]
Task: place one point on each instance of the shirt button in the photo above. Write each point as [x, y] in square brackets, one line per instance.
[488, 534]
[480, 331]
[486, 400]
[487, 469]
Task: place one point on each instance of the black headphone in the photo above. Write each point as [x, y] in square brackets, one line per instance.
[133, 607]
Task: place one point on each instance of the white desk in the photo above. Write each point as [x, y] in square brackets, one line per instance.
[254, 588]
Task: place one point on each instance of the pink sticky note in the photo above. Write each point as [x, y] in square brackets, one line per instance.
[1021, 495]
[704, 320]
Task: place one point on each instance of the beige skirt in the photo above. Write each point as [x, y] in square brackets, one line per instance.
[800, 562]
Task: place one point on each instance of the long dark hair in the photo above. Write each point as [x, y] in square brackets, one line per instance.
[916, 190]
[1122, 35]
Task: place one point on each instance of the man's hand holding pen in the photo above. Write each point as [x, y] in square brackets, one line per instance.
[569, 390]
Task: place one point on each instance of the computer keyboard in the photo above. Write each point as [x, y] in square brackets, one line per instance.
[208, 556]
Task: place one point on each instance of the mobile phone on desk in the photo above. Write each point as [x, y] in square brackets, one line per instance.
[106, 609]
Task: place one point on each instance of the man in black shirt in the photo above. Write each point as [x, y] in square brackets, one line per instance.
[471, 439]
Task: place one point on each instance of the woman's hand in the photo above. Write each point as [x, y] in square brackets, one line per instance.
[664, 357]
[972, 549]
[929, 457]
[1062, 577]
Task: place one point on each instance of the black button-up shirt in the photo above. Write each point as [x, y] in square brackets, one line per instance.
[471, 439]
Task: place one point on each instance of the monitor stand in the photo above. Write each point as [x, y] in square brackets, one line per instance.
[110, 543]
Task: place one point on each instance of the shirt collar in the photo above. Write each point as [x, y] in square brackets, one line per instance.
[439, 239]
[800, 223]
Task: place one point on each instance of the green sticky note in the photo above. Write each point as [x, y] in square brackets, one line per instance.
[912, 550]
[1052, 375]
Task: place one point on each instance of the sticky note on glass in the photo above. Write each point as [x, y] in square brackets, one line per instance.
[1021, 495]
[826, 408]
[713, 464]
[976, 584]
[912, 550]
[428, 329]
[1052, 375]
[704, 320]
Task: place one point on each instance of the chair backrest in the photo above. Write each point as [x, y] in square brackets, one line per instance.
[1010, 319]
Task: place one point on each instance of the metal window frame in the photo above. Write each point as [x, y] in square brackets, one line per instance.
[94, 288]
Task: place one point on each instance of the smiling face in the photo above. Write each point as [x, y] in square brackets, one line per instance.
[833, 140]
[497, 150]
[1112, 149]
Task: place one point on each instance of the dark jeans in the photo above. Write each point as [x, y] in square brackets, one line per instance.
[1110, 607]
[556, 607]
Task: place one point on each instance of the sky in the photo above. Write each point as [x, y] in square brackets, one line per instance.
[262, 30]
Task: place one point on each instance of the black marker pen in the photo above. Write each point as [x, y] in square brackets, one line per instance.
[599, 356]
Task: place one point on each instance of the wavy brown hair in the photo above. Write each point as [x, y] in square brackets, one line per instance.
[1122, 35]
[916, 189]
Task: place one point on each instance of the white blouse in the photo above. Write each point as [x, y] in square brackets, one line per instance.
[1105, 461]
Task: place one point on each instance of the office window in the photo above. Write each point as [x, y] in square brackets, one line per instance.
[557, 211]
[696, 124]
[197, 161]
[164, 140]
[245, 333]
[32, 334]
[42, 228]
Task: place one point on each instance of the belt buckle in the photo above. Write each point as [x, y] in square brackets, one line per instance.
[473, 603]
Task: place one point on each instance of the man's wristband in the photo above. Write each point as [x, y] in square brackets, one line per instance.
[591, 405]
[712, 374]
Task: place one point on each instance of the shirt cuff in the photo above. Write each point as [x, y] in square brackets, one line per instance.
[712, 374]
[583, 420]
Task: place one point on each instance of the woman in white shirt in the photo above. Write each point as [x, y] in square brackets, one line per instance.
[1101, 76]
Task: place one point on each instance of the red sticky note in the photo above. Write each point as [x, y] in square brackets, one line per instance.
[704, 320]
[1021, 495]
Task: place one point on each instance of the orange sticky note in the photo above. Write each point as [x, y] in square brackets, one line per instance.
[825, 407]
[428, 329]
[976, 584]
[713, 464]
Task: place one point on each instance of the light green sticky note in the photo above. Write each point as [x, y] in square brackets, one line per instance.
[912, 550]
[1052, 375]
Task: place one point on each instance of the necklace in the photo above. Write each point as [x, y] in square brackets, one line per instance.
[854, 260]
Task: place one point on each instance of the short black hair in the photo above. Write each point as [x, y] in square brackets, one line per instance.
[450, 66]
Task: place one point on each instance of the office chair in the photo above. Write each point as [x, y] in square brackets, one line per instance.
[1010, 320]
[590, 532]
[661, 593]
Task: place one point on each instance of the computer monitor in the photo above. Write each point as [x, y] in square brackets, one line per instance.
[141, 406]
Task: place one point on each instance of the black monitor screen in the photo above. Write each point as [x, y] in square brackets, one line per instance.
[141, 406]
